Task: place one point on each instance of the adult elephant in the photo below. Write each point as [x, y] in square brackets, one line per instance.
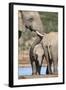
[30, 20]
[50, 46]
[33, 22]
[47, 48]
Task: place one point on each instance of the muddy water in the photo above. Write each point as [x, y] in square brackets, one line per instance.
[28, 71]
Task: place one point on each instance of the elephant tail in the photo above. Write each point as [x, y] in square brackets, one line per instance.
[49, 51]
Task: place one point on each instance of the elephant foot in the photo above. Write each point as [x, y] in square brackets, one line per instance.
[47, 72]
[37, 73]
[55, 73]
[50, 72]
[34, 73]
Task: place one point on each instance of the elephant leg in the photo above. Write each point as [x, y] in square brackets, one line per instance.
[37, 68]
[33, 68]
[32, 60]
[48, 71]
[40, 65]
[55, 67]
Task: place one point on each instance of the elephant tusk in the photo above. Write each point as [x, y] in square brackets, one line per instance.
[38, 33]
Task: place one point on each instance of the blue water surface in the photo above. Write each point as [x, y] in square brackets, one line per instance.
[28, 71]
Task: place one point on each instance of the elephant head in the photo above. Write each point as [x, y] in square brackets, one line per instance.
[32, 21]
[38, 56]
[39, 53]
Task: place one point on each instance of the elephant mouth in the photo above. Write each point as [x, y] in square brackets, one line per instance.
[30, 28]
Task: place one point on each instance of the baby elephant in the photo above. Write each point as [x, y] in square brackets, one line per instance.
[36, 58]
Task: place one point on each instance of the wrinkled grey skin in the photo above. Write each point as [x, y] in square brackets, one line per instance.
[50, 46]
[32, 21]
[47, 48]
[36, 59]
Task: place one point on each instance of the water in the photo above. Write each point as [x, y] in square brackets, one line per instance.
[28, 71]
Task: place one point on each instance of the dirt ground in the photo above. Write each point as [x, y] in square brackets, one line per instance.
[37, 76]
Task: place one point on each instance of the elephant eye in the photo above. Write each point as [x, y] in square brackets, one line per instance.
[30, 19]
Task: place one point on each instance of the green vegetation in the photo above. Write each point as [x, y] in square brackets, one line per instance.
[50, 21]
